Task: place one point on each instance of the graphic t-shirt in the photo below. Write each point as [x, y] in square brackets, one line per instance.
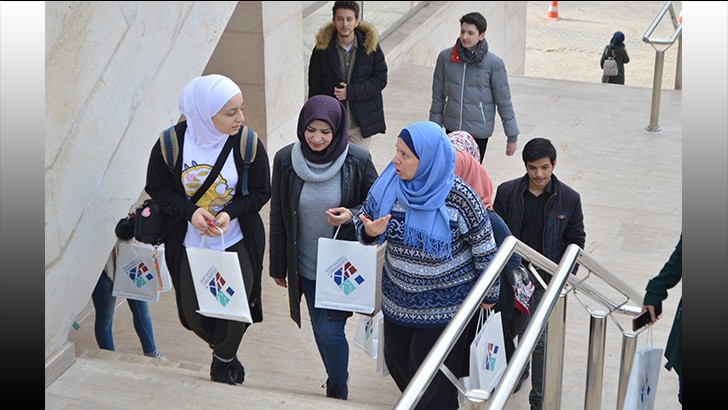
[196, 166]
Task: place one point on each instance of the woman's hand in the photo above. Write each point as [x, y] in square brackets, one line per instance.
[339, 216]
[203, 221]
[281, 282]
[376, 227]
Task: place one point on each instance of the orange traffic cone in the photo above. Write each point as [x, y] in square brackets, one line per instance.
[553, 13]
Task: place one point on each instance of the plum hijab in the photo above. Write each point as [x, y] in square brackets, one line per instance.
[331, 111]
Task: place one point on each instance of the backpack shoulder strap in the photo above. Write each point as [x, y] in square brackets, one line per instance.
[248, 149]
[170, 147]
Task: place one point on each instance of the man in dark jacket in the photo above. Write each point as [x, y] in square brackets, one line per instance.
[545, 214]
[348, 64]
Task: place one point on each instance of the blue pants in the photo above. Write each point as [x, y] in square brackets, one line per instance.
[329, 335]
[104, 304]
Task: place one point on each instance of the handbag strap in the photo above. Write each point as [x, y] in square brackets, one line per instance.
[337, 231]
[222, 239]
[482, 316]
[215, 170]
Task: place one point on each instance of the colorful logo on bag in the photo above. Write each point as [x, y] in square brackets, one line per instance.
[645, 391]
[345, 275]
[138, 272]
[490, 356]
[219, 290]
[368, 330]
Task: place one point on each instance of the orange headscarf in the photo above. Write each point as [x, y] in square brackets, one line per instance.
[469, 169]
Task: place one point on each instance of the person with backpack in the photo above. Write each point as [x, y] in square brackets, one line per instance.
[319, 183]
[617, 51]
[208, 189]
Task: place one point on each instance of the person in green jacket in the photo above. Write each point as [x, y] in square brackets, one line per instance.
[657, 287]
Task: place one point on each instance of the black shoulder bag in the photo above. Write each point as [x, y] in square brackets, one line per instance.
[147, 218]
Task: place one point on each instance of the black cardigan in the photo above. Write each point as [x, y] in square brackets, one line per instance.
[167, 190]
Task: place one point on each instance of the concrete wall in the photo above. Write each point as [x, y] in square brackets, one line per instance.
[437, 26]
[114, 71]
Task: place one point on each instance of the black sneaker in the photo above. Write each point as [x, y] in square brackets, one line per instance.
[220, 371]
[237, 371]
[337, 392]
[524, 376]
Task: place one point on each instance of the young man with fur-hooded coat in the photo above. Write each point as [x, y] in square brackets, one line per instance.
[348, 64]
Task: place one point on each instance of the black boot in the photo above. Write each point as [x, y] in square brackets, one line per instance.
[220, 371]
[237, 371]
[337, 392]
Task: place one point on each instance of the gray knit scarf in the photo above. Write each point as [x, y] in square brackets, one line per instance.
[311, 172]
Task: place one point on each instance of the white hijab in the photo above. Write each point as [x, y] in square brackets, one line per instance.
[200, 100]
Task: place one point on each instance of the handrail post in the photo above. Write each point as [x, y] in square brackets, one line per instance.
[629, 346]
[595, 361]
[656, 91]
[502, 392]
[554, 360]
[678, 65]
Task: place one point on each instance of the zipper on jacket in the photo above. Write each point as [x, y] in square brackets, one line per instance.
[462, 95]
[482, 112]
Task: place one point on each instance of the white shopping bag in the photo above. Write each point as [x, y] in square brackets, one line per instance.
[165, 281]
[136, 276]
[381, 364]
[219, 284]
[642, 386]
[367, 334]
[347, 276]
[487, 353]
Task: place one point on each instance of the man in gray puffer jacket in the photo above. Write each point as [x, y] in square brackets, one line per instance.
[468, 85]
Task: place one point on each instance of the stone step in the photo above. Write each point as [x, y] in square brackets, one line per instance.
[127, 380]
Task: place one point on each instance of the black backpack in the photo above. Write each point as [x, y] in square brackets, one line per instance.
[145, 222]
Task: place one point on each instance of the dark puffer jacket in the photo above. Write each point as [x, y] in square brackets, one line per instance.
[368, 77]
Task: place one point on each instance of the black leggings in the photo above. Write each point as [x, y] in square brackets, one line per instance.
[223, 336]
[404, 351]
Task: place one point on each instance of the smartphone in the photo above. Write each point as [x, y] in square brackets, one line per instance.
[645, 318]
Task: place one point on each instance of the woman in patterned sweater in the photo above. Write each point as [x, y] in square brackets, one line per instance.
[439, 242]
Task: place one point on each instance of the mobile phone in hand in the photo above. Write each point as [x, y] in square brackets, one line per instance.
[643, 319]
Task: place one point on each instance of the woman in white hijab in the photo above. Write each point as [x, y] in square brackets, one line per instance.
[213, 109]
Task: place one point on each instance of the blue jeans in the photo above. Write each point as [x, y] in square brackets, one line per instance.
[104, 304]
[329, 335]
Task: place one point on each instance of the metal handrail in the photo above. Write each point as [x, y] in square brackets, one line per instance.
[660, 60]
[554, 294]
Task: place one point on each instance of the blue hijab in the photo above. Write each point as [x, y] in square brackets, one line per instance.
[427, 225]
[617, 38]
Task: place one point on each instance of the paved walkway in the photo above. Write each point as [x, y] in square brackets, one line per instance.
[604, 152]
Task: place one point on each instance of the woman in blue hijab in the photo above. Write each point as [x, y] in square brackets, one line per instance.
[616, 50]
[438, 241]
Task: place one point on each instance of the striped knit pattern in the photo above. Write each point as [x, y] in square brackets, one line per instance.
[418, 291]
